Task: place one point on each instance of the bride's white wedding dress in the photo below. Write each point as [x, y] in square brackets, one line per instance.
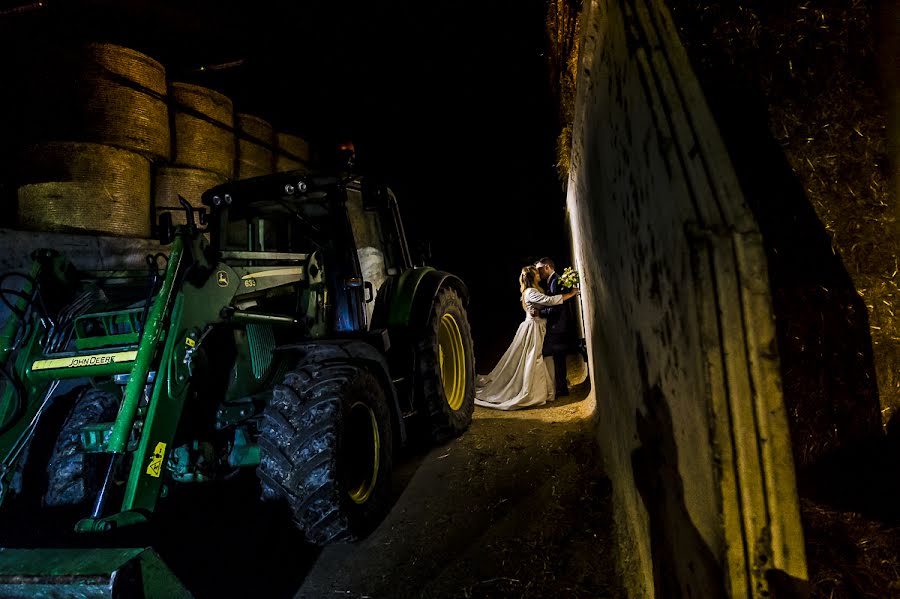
[522, 377]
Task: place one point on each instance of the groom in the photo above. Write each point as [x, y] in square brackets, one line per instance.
[560, 338]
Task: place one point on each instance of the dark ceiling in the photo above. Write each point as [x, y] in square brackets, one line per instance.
[325, 69]
[449, 99]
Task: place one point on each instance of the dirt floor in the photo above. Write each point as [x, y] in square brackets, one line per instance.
[515, 507]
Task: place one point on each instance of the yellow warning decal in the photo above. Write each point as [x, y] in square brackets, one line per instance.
[82, 361]
[189, 342]
[155, 467]
[278, 272]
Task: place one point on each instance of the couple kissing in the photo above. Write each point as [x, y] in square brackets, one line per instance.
[532, 371]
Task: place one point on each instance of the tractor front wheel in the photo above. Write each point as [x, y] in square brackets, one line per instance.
[446, 368]
[326, 450]
[74, 477]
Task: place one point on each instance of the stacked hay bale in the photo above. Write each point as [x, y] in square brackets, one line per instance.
[255, 146]
[292, 153]
[203, 146]
[84, 187]
[107, 142]
[97, 119]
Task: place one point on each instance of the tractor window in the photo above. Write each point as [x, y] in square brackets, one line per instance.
[262, 235]
[272, 227]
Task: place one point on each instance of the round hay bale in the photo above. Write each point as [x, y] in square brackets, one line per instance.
[100, 93]
[68, 186]
[292, 153]
[255, 145]
[189, 183]
[203, 129]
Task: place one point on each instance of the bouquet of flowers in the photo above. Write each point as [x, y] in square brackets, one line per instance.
[569, 278]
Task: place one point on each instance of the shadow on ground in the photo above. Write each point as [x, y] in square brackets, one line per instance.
[515, 507]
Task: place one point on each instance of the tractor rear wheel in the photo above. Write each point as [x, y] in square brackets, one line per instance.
[446, 368]
[326, 450]
[74, 477]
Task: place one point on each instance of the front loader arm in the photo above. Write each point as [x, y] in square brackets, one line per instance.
[147, 350]
[194, 308]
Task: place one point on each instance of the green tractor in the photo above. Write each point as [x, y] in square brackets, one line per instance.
[285, 329]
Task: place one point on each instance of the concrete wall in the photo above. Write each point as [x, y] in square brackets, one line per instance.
[679, 324]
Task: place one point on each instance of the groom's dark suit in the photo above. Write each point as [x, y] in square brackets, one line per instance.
[560, 338]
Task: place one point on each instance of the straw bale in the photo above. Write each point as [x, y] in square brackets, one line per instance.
[292, 153]
[89, 188]
[189, 183]
[203, 130]
[98, 93]
[255, 147]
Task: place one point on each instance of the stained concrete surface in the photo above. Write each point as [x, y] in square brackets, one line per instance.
[678, 319]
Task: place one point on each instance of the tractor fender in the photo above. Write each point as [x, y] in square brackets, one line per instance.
[427, 291]
[360, 352]
[406, 300]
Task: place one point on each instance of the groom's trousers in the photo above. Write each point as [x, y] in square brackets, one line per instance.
[561, 384]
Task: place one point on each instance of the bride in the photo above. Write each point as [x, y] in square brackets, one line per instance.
[521, 377]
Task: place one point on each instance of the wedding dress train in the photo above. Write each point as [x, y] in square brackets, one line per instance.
[521, 377]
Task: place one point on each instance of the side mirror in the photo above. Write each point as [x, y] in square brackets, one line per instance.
[165, 230]
[374, 195]
[424, 252]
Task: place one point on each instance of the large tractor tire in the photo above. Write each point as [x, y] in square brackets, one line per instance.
[446, 369]
[326, 450]
[74, 477]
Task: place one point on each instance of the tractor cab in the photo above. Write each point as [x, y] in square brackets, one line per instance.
[345, 232]
[281, 214]
[292, 230]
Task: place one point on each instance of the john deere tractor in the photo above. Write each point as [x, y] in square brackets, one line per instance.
[255, 339]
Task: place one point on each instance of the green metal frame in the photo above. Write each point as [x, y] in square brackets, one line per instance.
[190, 310]
[179, 314]
[194, 296]
[13, 324]
[404, 297]
[87, 573]
[110, 321]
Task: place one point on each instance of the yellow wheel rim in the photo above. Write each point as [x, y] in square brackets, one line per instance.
[452, 360]
[363, 432]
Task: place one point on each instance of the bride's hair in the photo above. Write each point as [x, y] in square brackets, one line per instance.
[529, 278]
